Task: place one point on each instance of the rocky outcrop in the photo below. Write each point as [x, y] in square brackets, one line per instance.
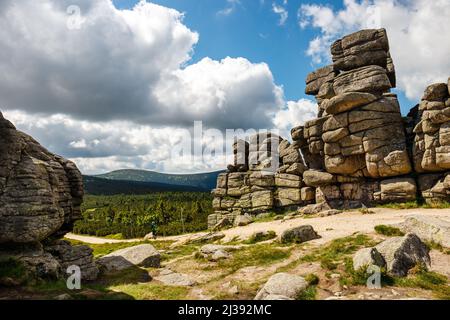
[431, 143]
[273, 180]
[40, 193]
[40, 198]
[359, 151]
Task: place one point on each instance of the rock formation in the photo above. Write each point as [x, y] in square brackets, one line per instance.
[266, 174]
[40, 198]
[358, 151]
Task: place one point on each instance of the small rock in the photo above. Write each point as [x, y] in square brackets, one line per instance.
[175, 279]
[328, 213]
[299, 235]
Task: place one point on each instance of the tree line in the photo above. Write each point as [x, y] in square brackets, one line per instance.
[134, 216]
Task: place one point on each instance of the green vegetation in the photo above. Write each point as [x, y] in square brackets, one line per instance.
[106, 248]
[335, 252]
[13, 270]
[421, 278]
[437, 246]
[416, 204]
[135, 216]
[312, 279]
[260, 237]
[389, 231]
[255, 255]
[309, 294]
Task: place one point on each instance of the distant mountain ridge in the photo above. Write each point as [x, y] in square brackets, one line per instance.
[142, 180]
[106, 187]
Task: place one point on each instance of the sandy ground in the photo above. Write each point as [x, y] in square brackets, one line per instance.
[333, 227]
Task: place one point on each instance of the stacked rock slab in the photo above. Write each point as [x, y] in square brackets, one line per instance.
[273, 179]
[40, 196]
[360, 133]
[431, 146]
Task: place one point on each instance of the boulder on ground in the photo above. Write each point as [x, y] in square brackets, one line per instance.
[214, 252]
[144, 255]
[299, 234]
[428, 228]
[282, 286]
[368, 257]
[404, 253]
[173, 279]
[243, 220]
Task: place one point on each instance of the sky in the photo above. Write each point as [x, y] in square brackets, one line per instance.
[118, 84]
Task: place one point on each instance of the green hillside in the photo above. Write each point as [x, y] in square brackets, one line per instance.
[205, 181]
[99, 186]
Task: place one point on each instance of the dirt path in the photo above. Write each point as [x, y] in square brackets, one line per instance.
[333, 227]
[96, 240]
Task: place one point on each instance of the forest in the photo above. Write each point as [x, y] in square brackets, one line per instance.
[134, 216]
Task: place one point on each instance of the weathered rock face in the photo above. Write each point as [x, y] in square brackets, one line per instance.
[428, 228]
[431, 149]
[358, 151]
[40, 193]
[40, 198]
[272, 180]
[361, 132]
[80, 256]
[403, 253]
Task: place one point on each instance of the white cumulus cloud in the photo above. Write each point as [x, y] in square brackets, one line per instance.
[420, 45]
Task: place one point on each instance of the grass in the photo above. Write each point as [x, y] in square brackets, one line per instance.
[101, 250]
[421, 278]
[260, 237]
[12, 268]
[268, 218]
[416, 205]
[437, 246]
[256, 255]
[335, 252]
[152, 291]
[180, 251]
[312, 279]
[309, 294]
[388, 231]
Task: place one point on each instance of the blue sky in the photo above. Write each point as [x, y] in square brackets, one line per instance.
[119, 91]
[252, 31]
